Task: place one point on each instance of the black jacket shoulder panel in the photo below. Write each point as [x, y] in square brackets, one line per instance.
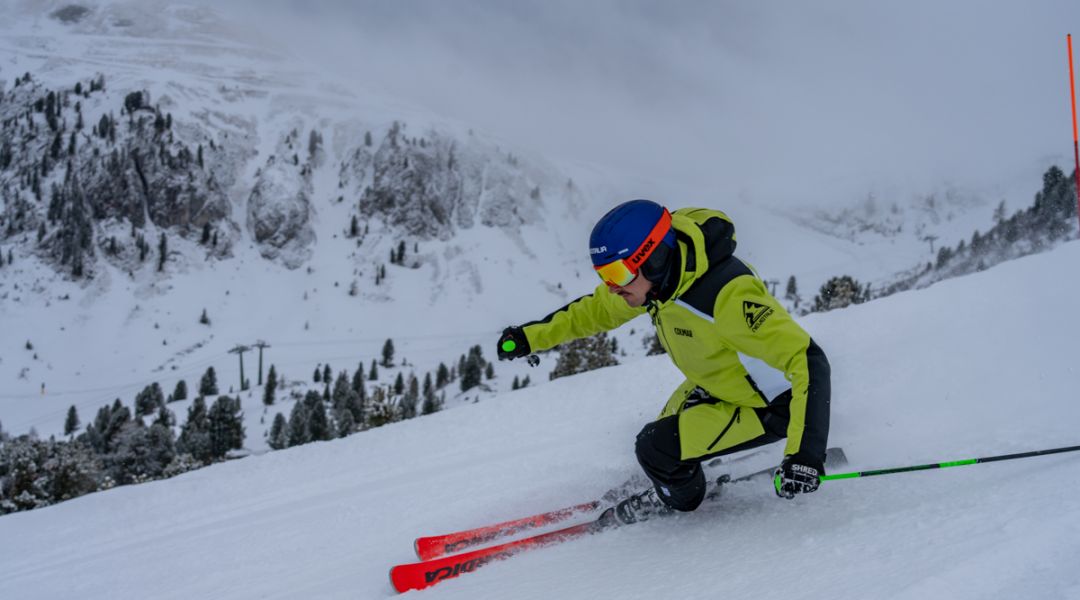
[719, 235]
[702, 294]
[719, 239]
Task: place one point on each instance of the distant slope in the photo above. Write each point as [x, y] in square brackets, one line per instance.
[977, 365]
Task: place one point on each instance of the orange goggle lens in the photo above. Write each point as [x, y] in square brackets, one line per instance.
[616, 274]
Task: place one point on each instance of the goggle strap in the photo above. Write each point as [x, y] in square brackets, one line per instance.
[656, 236]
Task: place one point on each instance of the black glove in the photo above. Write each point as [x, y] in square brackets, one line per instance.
[513, 344]
[797, 475]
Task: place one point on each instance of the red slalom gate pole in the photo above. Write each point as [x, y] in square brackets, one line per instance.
[1076, 144]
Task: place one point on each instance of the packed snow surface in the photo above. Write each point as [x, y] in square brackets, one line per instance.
[974, 366]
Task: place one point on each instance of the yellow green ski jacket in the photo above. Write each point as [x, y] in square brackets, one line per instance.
[719, 308]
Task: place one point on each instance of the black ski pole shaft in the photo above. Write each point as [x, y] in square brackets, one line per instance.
[945, 465]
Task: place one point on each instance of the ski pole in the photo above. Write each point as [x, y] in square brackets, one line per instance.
[945, 465]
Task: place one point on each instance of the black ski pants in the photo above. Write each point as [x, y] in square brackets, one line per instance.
[681, 483]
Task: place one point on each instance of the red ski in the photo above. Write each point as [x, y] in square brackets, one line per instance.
[429, 547]
[424, 574]
[417, 576]
[435, 546]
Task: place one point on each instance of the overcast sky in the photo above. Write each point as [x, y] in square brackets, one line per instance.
[801, 100]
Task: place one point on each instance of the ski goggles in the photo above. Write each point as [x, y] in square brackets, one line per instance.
[623, 272]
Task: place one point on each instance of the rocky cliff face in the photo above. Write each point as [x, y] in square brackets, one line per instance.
[87, 174]
[66, 169]
[432, 185]
[280, 208]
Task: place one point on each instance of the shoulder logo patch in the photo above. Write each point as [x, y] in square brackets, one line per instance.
[756, 314]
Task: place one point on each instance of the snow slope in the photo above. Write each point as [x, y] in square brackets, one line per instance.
[970, 367]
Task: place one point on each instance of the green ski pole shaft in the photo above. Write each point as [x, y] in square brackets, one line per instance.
[945, 465]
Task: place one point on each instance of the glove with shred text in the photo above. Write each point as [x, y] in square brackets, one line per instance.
[797, 475]
[513, 344]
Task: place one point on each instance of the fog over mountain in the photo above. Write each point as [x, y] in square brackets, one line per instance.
[780, 102]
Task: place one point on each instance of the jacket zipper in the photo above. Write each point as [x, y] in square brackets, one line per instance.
[655, 310]
[734, 416]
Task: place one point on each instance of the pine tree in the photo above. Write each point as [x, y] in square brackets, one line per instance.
[584, 354]
[382, 412]
[327, 375]
[208, 385]
[298, 425]
[838, 292]
[149, 400]
[180, 393]
[204, 319]
[471, 373]
[428, 387]
[71, 424]
[225, 426]
[163, 252]
[141, 454]
[271, 387]
[516, 384]
[489, 372]
[373, 374]
[317, 377]
[792, 291]
[358, 380]
[165, 417]
[194, 433]
[431, 403]
[342, 393]
[279, 433]
[318, 423]
[346, 424]
[73, 470]
[411, 399]
[442, 376]
[388, 353]
[399, 385]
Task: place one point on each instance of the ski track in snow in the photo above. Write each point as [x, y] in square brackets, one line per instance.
[965, 368]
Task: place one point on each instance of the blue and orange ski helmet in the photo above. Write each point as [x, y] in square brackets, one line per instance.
[625, 239]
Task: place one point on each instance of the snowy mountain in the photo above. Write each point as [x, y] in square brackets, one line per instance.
[214, 174]
[964, 368]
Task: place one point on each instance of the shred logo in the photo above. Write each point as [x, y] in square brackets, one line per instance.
[600, 250]
[684, 332]
[755, 314]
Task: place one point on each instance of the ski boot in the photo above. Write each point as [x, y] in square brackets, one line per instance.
[639, 507]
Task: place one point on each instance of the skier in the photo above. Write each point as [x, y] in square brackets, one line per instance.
[707, 306]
